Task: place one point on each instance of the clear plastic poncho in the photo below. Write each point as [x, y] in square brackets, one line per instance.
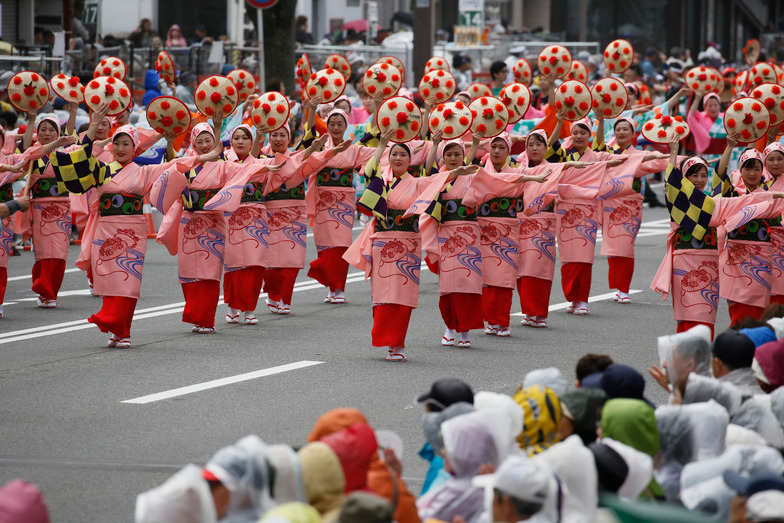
[703, 487]
[685, 352]
[183, 498]
[432, 421]
[640, 469]
[242, 468]
[549, 377]
[688, 433]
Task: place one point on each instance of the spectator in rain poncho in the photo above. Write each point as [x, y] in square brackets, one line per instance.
[702, 484]
[288, 483]
[470, 441]
[687, 433]
[611, 469]
[355, 447]
[292, 513]
[733, 353]
[549, 377]
[575, 466]
[622, 381]
[323, 478]
[505, 406]
[243, 470]
[431, 425]
[768, 365]
[760, 335]
[633, 422]
[751, 412]
[682, 354]
[581, 411]
[640, 468]
[542, 415]
[526, 490]
[777, 405]
[183, 498]
[152, 90]
[379, 478]
[363, 507]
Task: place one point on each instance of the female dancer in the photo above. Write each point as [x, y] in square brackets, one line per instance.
[702, 123]
[115, 239]
[450, 237]
[389, 249]
[194, 230]
[745, 259]
[621, 201]
[331, 205]
[48, 220]
[578, 211]
[774, 165]
[691, 265]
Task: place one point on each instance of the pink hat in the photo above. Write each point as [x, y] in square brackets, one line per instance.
[443, 145]
[750, 154]
[586, 122]
[199, 128]
[243, 126]
[129, 130]
[691, 162]
[22, 501]
[342, 98]
[338, 112]
[625, 119]
[773, 147]
[709, 96]
[506, 139]
[50, 119]
[538, 132]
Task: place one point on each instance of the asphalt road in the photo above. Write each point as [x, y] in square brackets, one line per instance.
[66, 426]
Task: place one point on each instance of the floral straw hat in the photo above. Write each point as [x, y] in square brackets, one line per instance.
[701, 79]
[747, 116]
[751, 51]
[578, 72]
[111, 66]
[662, 129]
[618, 56]
[490, 116]
[304, 69]
[772, 96]
[719, 87]
[244, 82]
[476, 89]
[340, 63]
[517, 98]
[555, 61]
[438, 85]
[328, 83]
[270, 111]
[741, 83]
[454, 118]
[609, 97]
[382, 78]
[67, 87]
[400, 114]
[395, 62]
[107, 89]
[168, 114]
[437, 63]
[573, 98]
[762, 73]
[216, 96]
[28, 91]
[522, 72]
[165, 67]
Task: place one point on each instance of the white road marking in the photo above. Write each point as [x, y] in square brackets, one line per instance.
[190, 389]
[29, 276]
[592, 299]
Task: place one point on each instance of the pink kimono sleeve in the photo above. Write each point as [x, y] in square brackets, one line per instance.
[292, 174]
[151, 173]
[698, 130]
[486, 186]
[734, 212]
[168, 187]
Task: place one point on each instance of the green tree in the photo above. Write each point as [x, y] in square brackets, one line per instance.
[279, 32]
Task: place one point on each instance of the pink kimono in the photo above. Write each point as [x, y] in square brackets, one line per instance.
[197, 234]
[331, 201]
[497, 203]
[390, 253]
[693, 267]
[777, 247]
[453, 252]
[7, 194]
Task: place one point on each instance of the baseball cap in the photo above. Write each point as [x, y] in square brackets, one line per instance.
[750, 485]
[446, 391]
[767, 505]
[520, 477]
[363, 507]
